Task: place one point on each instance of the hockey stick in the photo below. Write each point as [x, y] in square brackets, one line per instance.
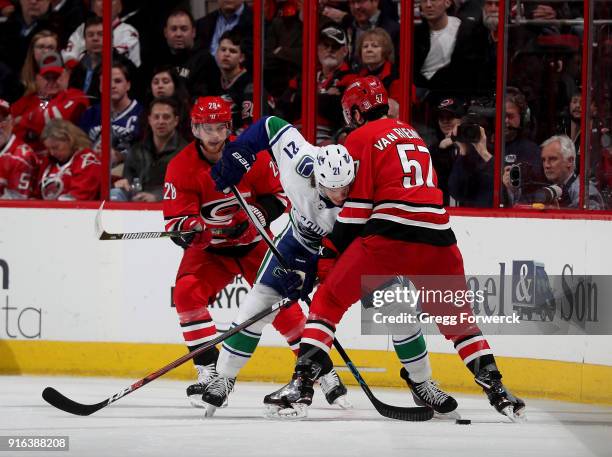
[104, 235]
[60, 401]
[412, 414]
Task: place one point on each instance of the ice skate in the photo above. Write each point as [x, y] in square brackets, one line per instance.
[292, 400]
[216, 393]
[206, 373]
[427, 393]
[499, 397]
[334, 390]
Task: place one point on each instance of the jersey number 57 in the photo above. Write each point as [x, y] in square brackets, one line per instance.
[412, 158]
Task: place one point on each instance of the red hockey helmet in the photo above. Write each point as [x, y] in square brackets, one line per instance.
[211, 110]
[364, 94]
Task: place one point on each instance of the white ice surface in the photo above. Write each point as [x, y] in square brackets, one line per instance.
[156, 420]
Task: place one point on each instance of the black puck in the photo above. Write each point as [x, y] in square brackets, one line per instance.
[463, 421]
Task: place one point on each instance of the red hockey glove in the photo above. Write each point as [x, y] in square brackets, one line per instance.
[200, 239]
[328, 255]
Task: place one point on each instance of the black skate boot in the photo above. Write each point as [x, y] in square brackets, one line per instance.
[216, 393]
[500, 398]
[334, 390]
[292, 400]
[206, 373]
[427, 393]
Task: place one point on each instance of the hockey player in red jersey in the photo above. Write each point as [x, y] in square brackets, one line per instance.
[226, 244]
[393, 223]
[18, 163]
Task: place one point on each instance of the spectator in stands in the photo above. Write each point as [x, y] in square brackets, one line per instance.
[445, 150]
[86, 74]
[283, 50]
[148, 159]
[487, 33]
[236, 82]
[42, 43]
[365, 15]
[559, 163]
[231, 14]
[166, 83]
[29, 18]
[125, 37]
[518, 149]
[52, 99]
[125, 114]
[72, 13]
[448, 55]
[570, 122]
[195, 66]
[18, 163]
[71, 170]
[471, 179]
[376, 56]
[6, 8]
[333, 78]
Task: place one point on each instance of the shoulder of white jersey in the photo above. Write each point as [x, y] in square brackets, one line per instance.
[289, 147]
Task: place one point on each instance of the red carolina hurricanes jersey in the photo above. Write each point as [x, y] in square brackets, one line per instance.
[18, 168]
[395, 192]
[77, 179]
[33, 113]
[189, 190]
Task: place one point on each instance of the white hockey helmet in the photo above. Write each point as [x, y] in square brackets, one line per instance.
[334, 166]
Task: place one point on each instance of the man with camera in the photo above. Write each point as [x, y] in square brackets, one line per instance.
[562, 189]
[471, 177]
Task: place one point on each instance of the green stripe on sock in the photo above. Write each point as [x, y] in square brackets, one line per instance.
[243, 343]
[410, 349]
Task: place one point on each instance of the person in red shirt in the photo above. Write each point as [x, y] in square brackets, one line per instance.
[71, 170]
[52, 100]
[18, 163]
[226, 243]
[392, 223]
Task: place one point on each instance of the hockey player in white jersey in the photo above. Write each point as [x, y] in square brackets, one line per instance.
[312, 216]
[316, 180]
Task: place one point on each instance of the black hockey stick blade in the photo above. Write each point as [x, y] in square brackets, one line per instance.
[407, 413]
[60, 401]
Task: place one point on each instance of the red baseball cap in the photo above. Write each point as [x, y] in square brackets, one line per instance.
[5, 107]
[51, 62]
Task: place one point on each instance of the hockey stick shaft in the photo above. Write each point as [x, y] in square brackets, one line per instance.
[58, 400]
[260, 228]
[104, 235]
[394, 412]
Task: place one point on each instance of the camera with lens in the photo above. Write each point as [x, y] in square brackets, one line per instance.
[522, 176]
[469, 130]
[467, 133]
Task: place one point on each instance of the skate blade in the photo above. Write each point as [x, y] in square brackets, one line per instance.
[517, 418]
[343, 402]
[271, 411]
[297, 411]
[196, 401]
[210, 410]
[520, 416]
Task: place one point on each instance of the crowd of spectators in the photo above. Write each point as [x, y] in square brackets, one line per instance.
[164, 58]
